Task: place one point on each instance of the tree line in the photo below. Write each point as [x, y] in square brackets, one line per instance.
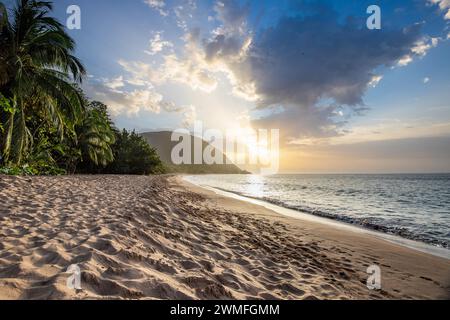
[47, 124]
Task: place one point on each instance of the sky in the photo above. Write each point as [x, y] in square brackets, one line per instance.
[345, 98]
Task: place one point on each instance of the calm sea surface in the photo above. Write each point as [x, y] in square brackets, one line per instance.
[413, 206]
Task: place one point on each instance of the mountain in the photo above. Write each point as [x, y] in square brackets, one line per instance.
[163, 144]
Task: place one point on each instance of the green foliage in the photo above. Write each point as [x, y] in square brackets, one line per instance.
[5, 104]
[39, 168]
[47, 126]
[95, 136]
[38, 73]
[5, 107]
[133, 155]
[16, 171]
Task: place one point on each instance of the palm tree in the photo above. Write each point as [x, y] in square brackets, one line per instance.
[96, 135]
[38, 73]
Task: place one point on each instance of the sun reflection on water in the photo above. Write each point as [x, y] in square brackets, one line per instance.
[255, 185]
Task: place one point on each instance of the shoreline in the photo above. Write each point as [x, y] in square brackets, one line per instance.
[404, 268]
[159, 237]
[336, 223]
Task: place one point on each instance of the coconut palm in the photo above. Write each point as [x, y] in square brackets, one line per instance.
[38, 73]
[96, 135]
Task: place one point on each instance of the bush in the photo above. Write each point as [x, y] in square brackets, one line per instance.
[133, 155]
[32, 170]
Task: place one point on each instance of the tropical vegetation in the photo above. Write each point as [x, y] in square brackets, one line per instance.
[47, 124]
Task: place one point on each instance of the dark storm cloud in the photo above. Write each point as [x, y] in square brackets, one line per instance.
[229, 40]
[222, 46]
[304, 60]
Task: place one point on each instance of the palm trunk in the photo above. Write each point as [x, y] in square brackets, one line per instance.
[9, 128]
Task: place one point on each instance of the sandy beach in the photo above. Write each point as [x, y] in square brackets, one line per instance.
[159, 237]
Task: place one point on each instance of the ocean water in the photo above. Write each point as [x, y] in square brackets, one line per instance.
[412, 206]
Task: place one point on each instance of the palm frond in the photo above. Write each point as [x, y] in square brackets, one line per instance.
[38, 67]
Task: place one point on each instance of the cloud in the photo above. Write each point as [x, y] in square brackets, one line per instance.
[157, 44]
[158, 5]
[188, 72]
[189, 116]
[190, 69]
[298, 62]
[306, 74]
[184, 12]
[404, 61]
[174, 70]
[426, 80]
[375, 80]
[147, 100]
[232, 15]
[420, 49]
[418, 154]
[304, 60]
[444, 5]
[313, 67]
[307, 122]
[201, 58]
[124, 102]
[134, 101]
[382, 129]
[141, 74]
[115, 83]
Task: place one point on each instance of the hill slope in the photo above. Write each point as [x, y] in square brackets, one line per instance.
[161, 141]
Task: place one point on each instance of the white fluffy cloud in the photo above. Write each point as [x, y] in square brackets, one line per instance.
[131, 102]
[184, 12]
[190, 69]
[147, 100]
[122, 100]
[444, 5]
[157, 44]
[158, 5]
[139, 73]
[115, 84]
[375, 80]
[420, 49]
[188, 72]
[202, 58]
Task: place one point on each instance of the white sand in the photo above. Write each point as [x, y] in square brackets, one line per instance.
[161, 238]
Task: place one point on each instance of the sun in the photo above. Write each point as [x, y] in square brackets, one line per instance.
[252, 145]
